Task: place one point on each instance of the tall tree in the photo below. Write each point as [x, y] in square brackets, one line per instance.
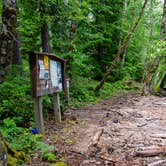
[9, 43]
[122, 48]
[44, 27]
[163, 24]
[126, 2]
[149, 85]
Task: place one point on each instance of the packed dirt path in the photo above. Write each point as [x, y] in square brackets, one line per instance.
[113, 132]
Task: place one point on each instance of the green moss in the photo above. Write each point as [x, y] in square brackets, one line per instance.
[59, 164]
[12, 161]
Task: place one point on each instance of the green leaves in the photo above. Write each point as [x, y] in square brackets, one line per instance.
[46, 151]
[15, 98]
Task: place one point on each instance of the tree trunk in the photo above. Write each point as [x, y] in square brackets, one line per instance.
[44, 28]
[9, 43]
[151, 86]
[45, 37]
[73, 28]
[147, 59]
[122, 48]
[163, 24]
[126, 2]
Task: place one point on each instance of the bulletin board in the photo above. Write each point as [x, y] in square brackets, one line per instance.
[47, 73]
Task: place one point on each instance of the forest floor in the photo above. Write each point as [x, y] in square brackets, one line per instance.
[114, 132]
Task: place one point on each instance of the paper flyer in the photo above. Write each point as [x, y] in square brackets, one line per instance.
[53, 72]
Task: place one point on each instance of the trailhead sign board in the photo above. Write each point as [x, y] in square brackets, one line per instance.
[47, 77]
[47, 74]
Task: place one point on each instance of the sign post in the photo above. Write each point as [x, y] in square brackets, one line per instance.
[47, 77]
[39, 123]
[66, 88]
[57, 111]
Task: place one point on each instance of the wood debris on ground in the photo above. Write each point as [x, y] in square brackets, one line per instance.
[128, 130]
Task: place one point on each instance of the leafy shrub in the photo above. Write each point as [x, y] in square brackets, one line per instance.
[19, 138]
[46, 152]
[82, 90]
[48, 156]
[22, 140]
[15, 99]
[79, 64]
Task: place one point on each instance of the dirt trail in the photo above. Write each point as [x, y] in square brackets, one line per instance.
[111, 132]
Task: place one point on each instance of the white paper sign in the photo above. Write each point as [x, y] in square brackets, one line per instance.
[59, 73]
[53, 72]
[41, 64]
[43, 74]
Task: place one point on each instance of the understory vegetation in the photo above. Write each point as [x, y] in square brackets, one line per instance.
[17, 114]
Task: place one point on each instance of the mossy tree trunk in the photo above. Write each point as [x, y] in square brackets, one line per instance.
[44, 27]
[121, 49]
[9, 156]
[9, 43]
[156, 73]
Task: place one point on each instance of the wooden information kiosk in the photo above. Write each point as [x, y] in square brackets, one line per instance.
[47, 72]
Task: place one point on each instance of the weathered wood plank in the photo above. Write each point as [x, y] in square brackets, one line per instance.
[157, 163]
[57, 111]
[39, 114]
[151, 151]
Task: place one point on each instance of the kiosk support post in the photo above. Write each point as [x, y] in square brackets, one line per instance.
[66, 88]
[39, 114]
[57, 111]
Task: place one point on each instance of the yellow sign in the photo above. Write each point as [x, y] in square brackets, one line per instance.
[46, 62]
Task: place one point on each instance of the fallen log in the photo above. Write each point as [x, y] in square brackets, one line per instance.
[151, 151]
[157, 163]
[142, 125]
[107, 159]
[159, 136]
[96, 138]
[93, 148]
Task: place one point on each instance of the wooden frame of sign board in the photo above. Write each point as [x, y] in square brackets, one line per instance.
[47, 72]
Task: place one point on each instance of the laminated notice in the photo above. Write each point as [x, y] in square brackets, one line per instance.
[46, 62]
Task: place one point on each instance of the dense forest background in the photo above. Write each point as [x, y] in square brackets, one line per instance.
[88, 35]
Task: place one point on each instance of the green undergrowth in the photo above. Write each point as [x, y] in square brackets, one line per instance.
[17, 115]
[15, 98]
[21, 140]
[82, 90]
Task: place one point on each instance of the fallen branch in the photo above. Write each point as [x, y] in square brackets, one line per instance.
[96, 138]
[141, 125]
[106, 159]
[99, 157]
[78, 153]
[157, 163]
[159, 135]
[151, 151]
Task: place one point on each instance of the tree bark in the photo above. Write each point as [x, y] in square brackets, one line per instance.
[147, 89]
[9, 43]
[163, 24]
[146, 66]
[126, 2]
[45, 37]
[122, 48]
[44, 28]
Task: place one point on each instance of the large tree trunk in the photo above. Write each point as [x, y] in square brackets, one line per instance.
[44, 28]
[73, 28]
[45, 37]
[163, 24]
[125, 5]
[9, 43]
[147, 58]
[122, 48]
[152, 83]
